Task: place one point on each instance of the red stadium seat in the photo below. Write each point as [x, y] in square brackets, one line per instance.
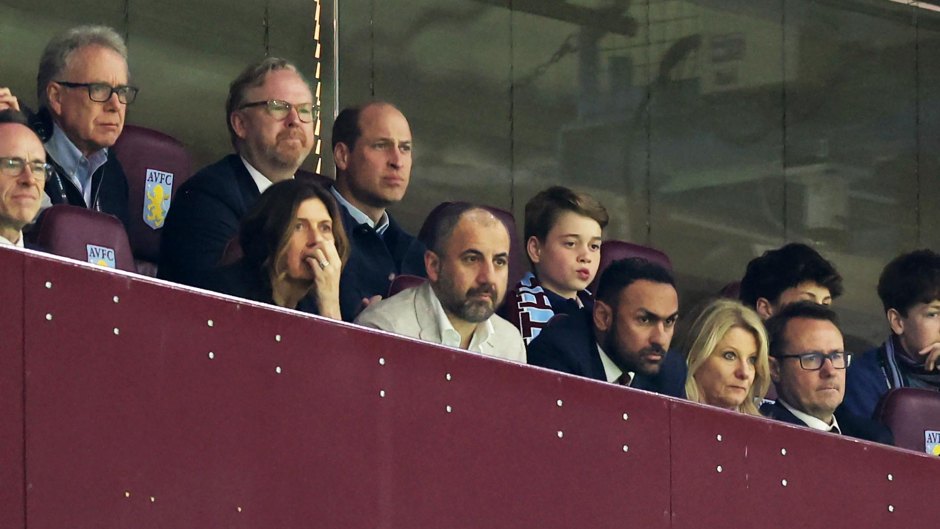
[156, 166]
[404, 282]
[731, 291]
[517, 263]
[614, 250]
[913, 415]
[86, 235]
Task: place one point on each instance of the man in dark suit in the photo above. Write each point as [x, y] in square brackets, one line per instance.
[271, 117]
[625, 338]
[807, 364]
[372, 150]
[23, 170]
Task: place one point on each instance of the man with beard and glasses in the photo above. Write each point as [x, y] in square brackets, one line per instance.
[270, 115]
[624, 339]
[467, 264]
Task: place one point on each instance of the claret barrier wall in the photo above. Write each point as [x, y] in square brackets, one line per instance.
[128, 402]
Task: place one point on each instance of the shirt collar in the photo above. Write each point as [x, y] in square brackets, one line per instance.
[359, 216]
[450, 336]
[261, 181]
[68, 156]
[811, 421]
[7, 242]
[611, 370]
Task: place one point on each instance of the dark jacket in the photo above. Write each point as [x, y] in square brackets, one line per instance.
[108, 189]
[374, 261]
[204, 216]
[244, 281]
[850, 425]
[567, 344]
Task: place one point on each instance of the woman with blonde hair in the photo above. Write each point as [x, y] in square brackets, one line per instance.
[727, 357]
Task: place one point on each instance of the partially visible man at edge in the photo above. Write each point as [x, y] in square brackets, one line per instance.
[23, 171]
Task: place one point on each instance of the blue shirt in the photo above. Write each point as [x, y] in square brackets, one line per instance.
[77, 167]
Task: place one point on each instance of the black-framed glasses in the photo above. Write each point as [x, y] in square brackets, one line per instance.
[13, 167]
[814, 360]
[279, 110]
[101, 92]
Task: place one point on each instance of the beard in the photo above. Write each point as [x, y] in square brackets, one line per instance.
[467, 306]
[288, 155]
[631, 361]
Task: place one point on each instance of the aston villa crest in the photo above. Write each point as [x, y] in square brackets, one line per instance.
[100, 255]
[932, 442]
[157, 197]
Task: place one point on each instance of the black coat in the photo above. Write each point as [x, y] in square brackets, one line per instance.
[851, 425]
[374, 261]
[108, 189]
[567, 344]
[204, 216]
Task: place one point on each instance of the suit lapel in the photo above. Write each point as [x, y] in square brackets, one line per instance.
[425, 313]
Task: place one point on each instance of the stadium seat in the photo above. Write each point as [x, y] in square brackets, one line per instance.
[517, 262]
[404, 282]
[913, 415]
[614, 250]
[86, 235]
[156, 166]
[731, 291]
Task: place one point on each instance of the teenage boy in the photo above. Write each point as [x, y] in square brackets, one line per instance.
[563, 231]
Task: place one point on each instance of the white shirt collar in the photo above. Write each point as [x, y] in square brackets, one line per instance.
[261, 181]
[811, 421]
[611, 370]
[359, 216]
[7, 242]
[450, 336]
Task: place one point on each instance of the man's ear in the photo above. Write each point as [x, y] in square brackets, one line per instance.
[764, 308]
[774, 369]
[237, 120]
[895, 321]
[432, 265]
[603, 315]
[534, 249]
[54, 96]
[341, 156]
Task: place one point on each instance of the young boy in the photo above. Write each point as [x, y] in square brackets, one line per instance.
[563, 243]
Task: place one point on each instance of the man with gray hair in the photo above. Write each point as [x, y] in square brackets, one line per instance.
[83, 93]
[467, 264]
[270, 115]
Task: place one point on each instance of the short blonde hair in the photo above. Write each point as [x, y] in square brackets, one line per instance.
[711, 325]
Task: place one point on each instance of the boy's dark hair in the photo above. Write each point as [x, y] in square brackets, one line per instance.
[621, 274]
[777, 324]
[770, 274]
[542, 210]
[910, 279]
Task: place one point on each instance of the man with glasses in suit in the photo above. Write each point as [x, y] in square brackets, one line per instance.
[83, 93]
[23, 171]
[807, 364]
[271, 114]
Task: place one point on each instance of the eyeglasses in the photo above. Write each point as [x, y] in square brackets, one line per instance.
[101, 92]
[14, 167]
[814, 361]
[279, 110]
